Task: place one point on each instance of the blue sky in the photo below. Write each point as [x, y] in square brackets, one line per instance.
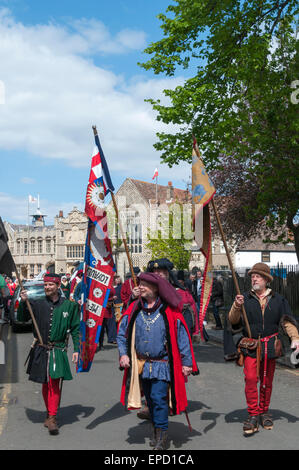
[65, 66]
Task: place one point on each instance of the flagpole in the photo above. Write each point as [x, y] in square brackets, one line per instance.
[120, 226]
[227, 252]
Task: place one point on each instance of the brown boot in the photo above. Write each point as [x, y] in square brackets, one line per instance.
[46, 421]
[52, 426]
[144, 413]
[266, 421]
[161, 436]
[251, 425]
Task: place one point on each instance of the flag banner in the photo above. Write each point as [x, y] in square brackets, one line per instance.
[156, 174]
[31, 198]
[203, 191]
[98, 268]
[7, 265]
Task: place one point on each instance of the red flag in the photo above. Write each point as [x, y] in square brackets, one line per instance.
[99, 266]
[155, 174]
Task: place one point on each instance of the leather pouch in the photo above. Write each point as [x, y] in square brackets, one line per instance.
[248, 343]
[278, 347]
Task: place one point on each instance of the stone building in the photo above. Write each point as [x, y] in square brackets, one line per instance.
[141, 205]
[37, 246]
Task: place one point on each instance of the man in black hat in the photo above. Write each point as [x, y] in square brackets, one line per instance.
[187, 306]
[269, 316]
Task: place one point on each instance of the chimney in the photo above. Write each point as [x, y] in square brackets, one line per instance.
[60, 214]
[169, 193]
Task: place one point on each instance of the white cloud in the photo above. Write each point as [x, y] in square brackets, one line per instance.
[55, 93]
[15, 209]
[27, 180]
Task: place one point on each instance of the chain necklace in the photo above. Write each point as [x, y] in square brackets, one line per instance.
[149, 323]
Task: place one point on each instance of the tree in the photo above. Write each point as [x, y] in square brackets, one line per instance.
[171, 237]
[238, 104]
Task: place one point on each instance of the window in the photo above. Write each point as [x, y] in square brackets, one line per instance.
[32, 269]
[39, 268]
[18, 247]
[32, 246]
[62, 234]
[134, 233]
[75, 251]
[25, 247]
[39, 246]
[48, 245]
[222, 248]
[265, 256]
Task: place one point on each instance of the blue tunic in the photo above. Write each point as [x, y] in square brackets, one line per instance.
[150, 341]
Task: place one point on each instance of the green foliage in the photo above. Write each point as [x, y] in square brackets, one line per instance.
[169, 240]
[237, 103]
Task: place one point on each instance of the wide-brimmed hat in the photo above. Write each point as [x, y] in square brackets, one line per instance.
[166, 291]
[262, 269]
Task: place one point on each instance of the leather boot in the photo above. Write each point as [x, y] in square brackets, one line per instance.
[161, 436]
[52, 426]
[46, 421]
[144, 413]
[251, 425]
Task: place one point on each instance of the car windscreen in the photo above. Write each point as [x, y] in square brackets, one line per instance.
[35, 291]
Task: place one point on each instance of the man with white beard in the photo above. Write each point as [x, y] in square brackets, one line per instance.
[269, 317]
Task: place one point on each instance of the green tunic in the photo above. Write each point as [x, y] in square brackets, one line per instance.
[56, 321]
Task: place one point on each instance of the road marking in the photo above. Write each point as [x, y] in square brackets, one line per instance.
[294, 372]
[4, 401]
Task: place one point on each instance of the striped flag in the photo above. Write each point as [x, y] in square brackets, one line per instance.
[203, 192]
[99, 269]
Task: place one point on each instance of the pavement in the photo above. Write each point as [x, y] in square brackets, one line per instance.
[217, 337]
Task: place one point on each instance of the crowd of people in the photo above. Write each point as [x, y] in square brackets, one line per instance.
[153, 317]
[7, 290]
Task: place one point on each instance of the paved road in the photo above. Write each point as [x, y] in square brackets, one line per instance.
[91, 416]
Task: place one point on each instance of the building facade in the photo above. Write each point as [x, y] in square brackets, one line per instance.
[37, 247]
[141, 206]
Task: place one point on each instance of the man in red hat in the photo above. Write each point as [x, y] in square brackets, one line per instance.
[155, 344]
[56, 318]
[269, 316]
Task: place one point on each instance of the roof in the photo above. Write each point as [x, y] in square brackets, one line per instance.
[257, 244]
[164, 193]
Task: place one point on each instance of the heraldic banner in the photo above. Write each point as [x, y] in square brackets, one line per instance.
[202, 193]
[99, 269]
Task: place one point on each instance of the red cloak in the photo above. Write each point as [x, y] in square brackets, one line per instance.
[177, 384]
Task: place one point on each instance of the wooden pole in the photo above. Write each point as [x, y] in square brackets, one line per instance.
[29, 307]
[228, 257]
[120, 227]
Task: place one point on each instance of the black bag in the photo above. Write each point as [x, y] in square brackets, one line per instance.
[189, 318]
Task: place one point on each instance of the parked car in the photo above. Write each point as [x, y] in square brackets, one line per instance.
[35, 290]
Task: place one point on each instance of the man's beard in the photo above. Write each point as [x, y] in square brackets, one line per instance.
[257, 287]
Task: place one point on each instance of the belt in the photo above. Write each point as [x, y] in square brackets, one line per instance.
[151, 359]
[51, 347]
[265, 340]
